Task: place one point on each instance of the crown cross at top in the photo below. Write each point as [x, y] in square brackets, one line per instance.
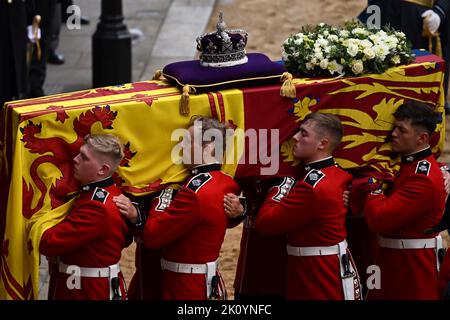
[223, 48]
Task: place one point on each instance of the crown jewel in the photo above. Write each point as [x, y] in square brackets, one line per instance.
[223, 48]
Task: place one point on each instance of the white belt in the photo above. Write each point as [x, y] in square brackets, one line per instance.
[208, 269]
[184, 267]
[313, 251]
[349, 277]
[430, 243]
[89, 272]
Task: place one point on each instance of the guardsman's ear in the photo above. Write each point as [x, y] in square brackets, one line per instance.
[324, 144]
[423, 138]
[105, 168]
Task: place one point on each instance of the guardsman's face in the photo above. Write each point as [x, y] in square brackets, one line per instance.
[87, 166]
[306, 141]
[404, 137]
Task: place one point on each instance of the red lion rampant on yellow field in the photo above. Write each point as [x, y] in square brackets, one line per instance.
[59, 152]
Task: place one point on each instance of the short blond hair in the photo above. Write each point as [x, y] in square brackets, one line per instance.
[327, 125]
[107, 145]
[208, 123]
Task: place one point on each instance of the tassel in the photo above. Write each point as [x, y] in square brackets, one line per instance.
[287, 88]
[184, 103]
[428, 34]
[158, 74]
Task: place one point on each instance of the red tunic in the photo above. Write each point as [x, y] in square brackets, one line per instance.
[415, 203]
[312, 214]
[146, 283]
[92, 235]
[261, 266]
[191, 230]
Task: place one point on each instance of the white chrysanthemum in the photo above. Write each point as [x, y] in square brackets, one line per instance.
[333, 38]
[344, 33]
[375, 38]
[298, 41]
[381, 51]
[391, 42]
[360, 31]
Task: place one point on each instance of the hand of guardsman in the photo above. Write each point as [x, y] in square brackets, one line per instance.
[446, 176]
[232, 206]
[126, 208]
[362, 186]
[346, 198]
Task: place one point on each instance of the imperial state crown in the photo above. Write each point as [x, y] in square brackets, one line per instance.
[222, 48]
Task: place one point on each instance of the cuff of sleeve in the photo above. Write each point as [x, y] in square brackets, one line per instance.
[243, 202]
[141, 217]
[440, 12]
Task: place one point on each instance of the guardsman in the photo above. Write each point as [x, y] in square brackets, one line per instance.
[407, 255]
[312, 213]
[146, 281]
[192, 228]
[261, 265]
[420, 20]
[86, 246]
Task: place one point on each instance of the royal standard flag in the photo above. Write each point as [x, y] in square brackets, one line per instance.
[40, 137]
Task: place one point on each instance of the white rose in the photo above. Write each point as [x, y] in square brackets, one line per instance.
[352, 50]
[357, 67]
[324, 64]
[369, 53]
[366, 43]
[321, 24]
